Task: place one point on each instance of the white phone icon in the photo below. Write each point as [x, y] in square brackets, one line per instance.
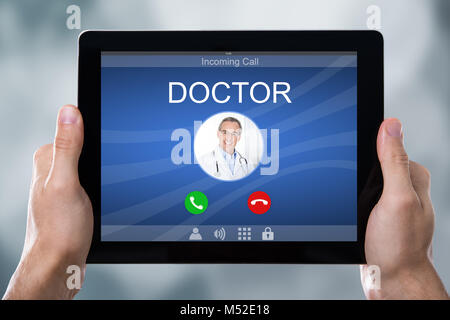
[199, 207]
[264, 202]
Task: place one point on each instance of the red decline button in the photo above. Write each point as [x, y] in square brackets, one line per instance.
[259, 202]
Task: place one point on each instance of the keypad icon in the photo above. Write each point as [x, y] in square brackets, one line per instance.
[244, 233]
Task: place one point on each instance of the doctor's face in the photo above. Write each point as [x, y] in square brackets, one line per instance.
[229, 135]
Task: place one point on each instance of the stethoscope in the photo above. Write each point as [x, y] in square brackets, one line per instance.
[217, 173]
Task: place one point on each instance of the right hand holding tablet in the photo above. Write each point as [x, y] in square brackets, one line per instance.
[400, 228]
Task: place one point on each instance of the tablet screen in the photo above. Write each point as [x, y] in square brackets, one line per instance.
[232, 146]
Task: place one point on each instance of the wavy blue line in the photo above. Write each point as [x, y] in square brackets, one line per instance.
[141, 212]
[118, 136]
[130, 171]
[301, 89]
[339, 102]
[158, 204]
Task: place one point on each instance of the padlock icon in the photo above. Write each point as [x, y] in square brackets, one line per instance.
[267, 234]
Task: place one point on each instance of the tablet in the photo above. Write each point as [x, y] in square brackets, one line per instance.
[230, 146]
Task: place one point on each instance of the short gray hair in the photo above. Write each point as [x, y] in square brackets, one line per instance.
[230, 119]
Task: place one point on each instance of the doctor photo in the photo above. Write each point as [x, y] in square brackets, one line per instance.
[225, 162]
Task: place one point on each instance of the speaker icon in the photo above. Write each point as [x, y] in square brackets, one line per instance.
[220, 233]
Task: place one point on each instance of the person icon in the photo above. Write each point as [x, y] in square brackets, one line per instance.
[195, 235]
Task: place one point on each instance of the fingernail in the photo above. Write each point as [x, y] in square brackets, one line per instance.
[68, 115]
[394, 128]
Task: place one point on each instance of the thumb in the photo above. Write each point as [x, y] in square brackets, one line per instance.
[393, 157]
[67, 145]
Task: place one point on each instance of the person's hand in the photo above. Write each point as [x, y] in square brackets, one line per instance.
[400, 227]
[60, 220]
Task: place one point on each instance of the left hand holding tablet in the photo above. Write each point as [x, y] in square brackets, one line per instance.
[60, 219]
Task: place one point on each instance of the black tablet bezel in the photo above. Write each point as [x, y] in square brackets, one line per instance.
[369, 48]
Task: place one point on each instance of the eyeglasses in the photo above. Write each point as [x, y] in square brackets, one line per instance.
[235, 134]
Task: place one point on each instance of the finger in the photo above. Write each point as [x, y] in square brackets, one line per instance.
[42, 161]
[393, 157]
[421, 181]
[67, 146]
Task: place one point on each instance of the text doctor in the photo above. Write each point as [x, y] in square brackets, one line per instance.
[225, 162]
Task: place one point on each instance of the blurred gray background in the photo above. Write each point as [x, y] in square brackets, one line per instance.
[38, 74]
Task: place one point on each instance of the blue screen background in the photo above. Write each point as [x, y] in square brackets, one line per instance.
[316, 182]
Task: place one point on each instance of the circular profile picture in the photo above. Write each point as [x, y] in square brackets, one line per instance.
[228, 146]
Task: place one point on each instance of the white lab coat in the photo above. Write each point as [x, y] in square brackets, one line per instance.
[214, 159]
